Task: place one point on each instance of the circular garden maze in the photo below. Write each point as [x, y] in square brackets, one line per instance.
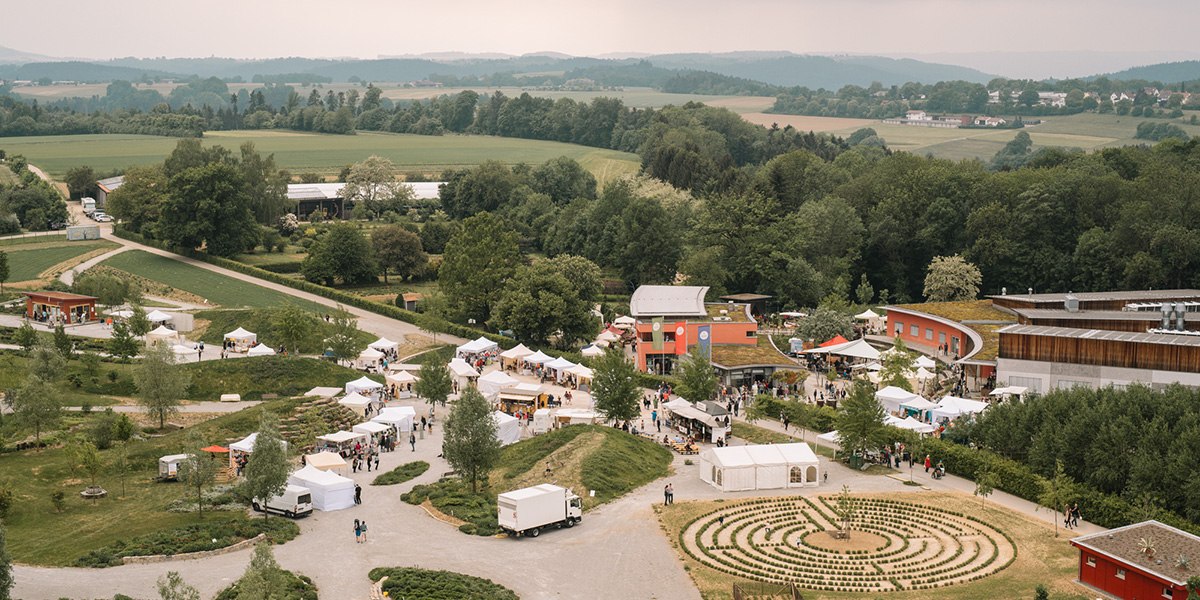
[893, 545]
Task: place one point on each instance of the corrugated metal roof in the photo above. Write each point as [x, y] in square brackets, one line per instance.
[668, 301]
[1097, 334]
[422, 190]
[1127, 295]
[1099, 315]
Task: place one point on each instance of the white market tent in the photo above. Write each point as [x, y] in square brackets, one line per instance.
[951, 407]
[326, 461]
[891, 397]
[401, 377]
[576, 416]
[355, 402]
[538, 358]
[1006, 392]
[330, 491]
[760, 467]
[370, 355]
[260, 350]
[581, 372]
[123, 313]
[918, 404]
[923, 374]
[508, 428]
[560, 366]
[625, 322]
[542, 421]
[158, 316]
[362, 384]
[592, 351]
[463, 371]
[162, 334]
[607, 336]
[492, 383]
[241, 338]
[856, 349]
[323, 392]
[383, 344]
[513, 356]
[867, 315]
[476, 346]
[342, 438]
[925, 362]
[830, 436]
[246, 446]
[168, 466]
[912, 424]
[371, 428]
[398, 417]
[601, 344]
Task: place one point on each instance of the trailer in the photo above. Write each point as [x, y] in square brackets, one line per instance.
[529, 510]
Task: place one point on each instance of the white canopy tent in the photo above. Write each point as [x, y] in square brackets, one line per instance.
[867, 315]
[383, 344]
[891, 397]
[923, 374]
[261, 350]
[624, 322]
[340, 440]
[355, 402]
[245, 446]
[542, 421]
[512, 357]
[493, 382]
[323, 392]
[508, 428]
[401, 378]
[856, 349]
[830, 436]
[576, 416]
[162, 334]
[592, 351]
[911, 424]
[371, 428]
[477, 346]
[538, 358]
[581, 372]
[241, 339]
[330, 491]
[918, 405]
[398, 417]
[462, 371]
[326, 461]
[760, 467]
[123, 313]
[363, 384]
[370, 355]
[601, 344]
[925, 362]
[607, 336]
[1005, 393]
[560, 366]
[158, 316]
[951, 407]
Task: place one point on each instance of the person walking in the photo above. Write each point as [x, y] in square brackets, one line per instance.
[1075, 515]
[357, 532]
[666, 494]
[357, 494]
[412, 441]
[928, 463]
[364, 531]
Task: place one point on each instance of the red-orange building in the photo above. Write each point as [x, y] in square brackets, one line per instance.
[967, 331]
[1143, 561]
[53, 307]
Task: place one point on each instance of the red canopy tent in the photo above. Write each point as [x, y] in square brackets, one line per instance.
[835, 340]
[215, 449]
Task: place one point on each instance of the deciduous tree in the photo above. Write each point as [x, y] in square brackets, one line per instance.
[433, 383]
[343, 343]
[372, 186]
[399, 251]
[823, 324]
[3, 269]
[160, 382]
[537, 303]
[198, 470]
[614, 387]
[268, 467]
[470, 444]
[6, 569]
[123, 344]
[951, 279]
[295, 327]
[264, 579]
[139, 323]
[860, 420]
[478, 262]
[172, 587]
[341, 254]
[697, 381]
[985, 484]
[209, 206]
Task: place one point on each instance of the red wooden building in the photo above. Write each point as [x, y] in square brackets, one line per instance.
[55, 307]
[1143, 561]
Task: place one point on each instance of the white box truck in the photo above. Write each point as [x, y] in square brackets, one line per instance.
[295, 501]
[89, 205]
[530, 510]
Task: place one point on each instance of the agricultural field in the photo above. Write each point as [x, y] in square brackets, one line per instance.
[303, 152]
[1088, 131]
[215, 288]
[28, 261]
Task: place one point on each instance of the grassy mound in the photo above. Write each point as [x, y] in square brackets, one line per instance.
[402, 473]
[260, 321]
[579, 457]
[438, 585]
[197, 537]
[297, 587]
[253, 377]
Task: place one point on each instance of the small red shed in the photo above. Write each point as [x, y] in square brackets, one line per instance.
[53, 307]
[1143, 561]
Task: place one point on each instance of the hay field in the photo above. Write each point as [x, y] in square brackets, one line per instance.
[803, 123]
[303, 152]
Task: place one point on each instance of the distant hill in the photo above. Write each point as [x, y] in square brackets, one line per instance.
[1172, 72]
[76, 71]
[830, 72]
[8, 56]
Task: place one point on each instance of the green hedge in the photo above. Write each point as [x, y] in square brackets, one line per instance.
[1019, 480]
[408, 582]
[402, 473]
[393, 312]
[190, 538]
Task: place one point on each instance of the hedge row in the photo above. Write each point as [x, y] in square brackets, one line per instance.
[1106, 510]
[393, 312]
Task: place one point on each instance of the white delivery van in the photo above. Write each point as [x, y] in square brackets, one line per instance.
[89, 205]
[294, 502]
[527, 511]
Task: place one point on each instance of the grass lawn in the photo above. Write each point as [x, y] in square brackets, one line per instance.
[36, 239]
[1041, 558]
[28, 261]
[95, 390]
[303, 152]
[581, 458]
[216, 288]
[259, 321]
[39, 535]
[252, 377]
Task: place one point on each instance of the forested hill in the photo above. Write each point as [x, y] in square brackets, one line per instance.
[1187, 70]
[754, 69]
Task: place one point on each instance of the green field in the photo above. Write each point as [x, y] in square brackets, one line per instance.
[26, 261]
[217, 289]
[1088, 131]
[302, 152]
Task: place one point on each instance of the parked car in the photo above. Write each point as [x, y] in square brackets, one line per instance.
[101, 217]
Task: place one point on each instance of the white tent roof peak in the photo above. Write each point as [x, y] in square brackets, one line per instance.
[591, 351]
[518, 351]
[240, 333]
[460, 368]
[867, 315]
[560, 364]
[925, 362]
[538, 358]
[476, 345]
[162, 330]
[383, 344]
[158, 316]
[370, 354]
[260, 350]
[354, 399]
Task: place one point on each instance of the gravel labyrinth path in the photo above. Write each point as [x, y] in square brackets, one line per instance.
[894, 545]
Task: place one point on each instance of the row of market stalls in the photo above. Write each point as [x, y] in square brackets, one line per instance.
[522, 360]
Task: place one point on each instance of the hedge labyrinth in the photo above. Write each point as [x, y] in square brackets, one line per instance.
[893, 545]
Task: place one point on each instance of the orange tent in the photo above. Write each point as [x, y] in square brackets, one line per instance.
[215, 449]
[837, 339]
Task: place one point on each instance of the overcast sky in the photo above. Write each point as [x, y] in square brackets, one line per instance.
[370, 28]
